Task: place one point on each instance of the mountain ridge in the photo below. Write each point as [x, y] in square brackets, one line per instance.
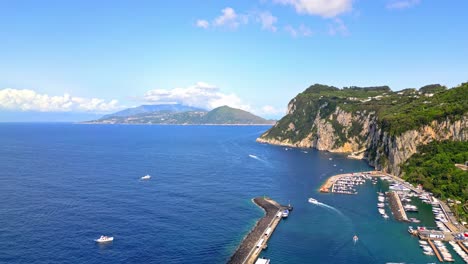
[223, 115]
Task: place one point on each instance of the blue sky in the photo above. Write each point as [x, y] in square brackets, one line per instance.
[94, 57]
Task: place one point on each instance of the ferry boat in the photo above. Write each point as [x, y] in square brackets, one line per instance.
[313, 201]
[146, 177]
[285, 213]
[104, 239]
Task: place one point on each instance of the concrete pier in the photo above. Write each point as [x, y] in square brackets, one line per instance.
[253, 244]
[436, 251]
[397, 208]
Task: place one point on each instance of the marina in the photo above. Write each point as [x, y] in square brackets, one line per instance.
[253, 244]
[400, 197]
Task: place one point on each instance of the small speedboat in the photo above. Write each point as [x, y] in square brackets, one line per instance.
[313, 201]
[146, 177]
[285, 213]
[355, 238]
[104, 239]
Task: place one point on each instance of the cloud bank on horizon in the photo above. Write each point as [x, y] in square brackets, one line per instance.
[201, 94]
[29, 100]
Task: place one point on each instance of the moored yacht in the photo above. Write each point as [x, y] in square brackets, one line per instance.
[285, 213]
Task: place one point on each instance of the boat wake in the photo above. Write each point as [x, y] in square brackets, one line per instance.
[254, 157]
[330, 207]
[259, 159]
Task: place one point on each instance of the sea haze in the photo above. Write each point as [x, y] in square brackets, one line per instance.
[63, 185]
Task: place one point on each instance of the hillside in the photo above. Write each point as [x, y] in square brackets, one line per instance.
[228, 115]
[385, 126]
[142, 109]
[223, 115]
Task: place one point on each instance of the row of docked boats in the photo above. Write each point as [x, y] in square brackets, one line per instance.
[427, 250]
[460, 251]
[410, 208]
[443, 251]
[347, 184]
[381, 205]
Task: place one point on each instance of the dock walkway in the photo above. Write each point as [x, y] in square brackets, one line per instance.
[397, 207]
[252, 245]
[436, 251]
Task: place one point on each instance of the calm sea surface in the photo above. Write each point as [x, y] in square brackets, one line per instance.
[63, 185]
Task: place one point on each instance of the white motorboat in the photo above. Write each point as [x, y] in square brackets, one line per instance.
[104, 239]
[313, 201]
[146, 177]
[285, 213]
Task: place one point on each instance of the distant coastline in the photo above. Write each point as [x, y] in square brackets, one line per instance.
[142, 124]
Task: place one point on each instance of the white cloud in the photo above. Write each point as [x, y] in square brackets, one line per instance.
[230, 19]
[267, 20]
[29, 100]
[324, 8]
[402, 4]
[269, 110]
[301, 31]
[338, 27]
[202, 24]
[201, 95]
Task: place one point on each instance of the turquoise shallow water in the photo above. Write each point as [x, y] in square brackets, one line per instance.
[63, 185]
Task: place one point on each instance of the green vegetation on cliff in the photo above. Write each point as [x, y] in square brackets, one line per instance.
[396, 112]
[434, 167]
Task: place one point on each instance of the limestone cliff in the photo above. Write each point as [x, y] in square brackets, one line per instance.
[367, 124]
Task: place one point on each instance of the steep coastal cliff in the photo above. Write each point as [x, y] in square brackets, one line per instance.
[380, 125]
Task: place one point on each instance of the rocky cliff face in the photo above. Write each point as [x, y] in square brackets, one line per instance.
[388, 153]
[359, 132]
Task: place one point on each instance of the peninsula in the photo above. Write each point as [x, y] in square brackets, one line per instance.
[182, 115]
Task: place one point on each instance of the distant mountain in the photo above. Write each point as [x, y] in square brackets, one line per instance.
[153, 108]
[229, 115]
[223, 115]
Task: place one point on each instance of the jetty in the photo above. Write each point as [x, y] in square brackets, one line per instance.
[436, 251]
[397, 207]
[463, 247]
[252, 245]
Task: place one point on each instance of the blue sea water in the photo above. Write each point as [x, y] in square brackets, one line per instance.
[63, 185]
